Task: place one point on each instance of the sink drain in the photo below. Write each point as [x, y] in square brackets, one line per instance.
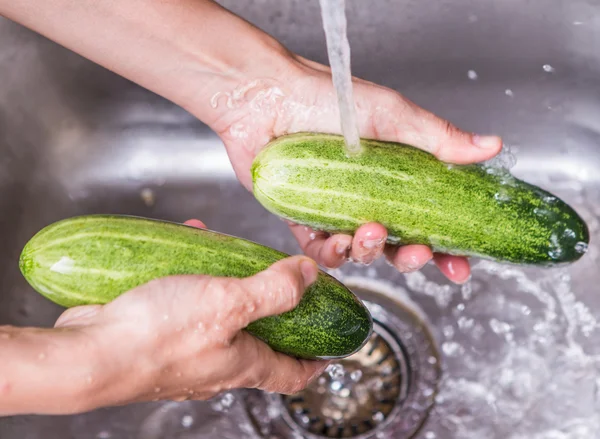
[355, 394]
[384, 390]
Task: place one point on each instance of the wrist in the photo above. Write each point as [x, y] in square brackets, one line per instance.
[60, 364]
[227, 95]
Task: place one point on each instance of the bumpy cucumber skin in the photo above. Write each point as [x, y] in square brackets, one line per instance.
[109, 255]
[468, 210]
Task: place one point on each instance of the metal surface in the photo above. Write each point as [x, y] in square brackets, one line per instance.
[522, 346]
[398, 374]
[357, 401]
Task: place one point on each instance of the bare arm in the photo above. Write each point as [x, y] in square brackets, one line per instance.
[193, 51]
[46, 371]
[183, 50]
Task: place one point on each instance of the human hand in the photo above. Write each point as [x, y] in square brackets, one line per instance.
[262, 109]
[182, 337]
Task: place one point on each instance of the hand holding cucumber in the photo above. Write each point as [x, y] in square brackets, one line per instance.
[176, 338]
[305, 102]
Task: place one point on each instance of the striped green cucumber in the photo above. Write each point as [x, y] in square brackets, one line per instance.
[469, 210]
[93, 259]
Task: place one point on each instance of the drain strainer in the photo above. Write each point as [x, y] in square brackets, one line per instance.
[355, 394]
[385, 390]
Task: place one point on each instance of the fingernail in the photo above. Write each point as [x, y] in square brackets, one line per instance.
[76, 314]
[372, 243]
[309, 271]
[414, 264]
[341, 248]
[487, 142]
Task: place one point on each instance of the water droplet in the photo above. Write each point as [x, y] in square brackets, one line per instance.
[356, 375]
[187, 421]
[200, 326]
[430, 435]
[451, 348]
[555, 251]
[501, 196]
[467, 290]
[500, 327]
[312, 236]
[336, 386]
[378, 417]
[344, 393]
[472, 74]
[335, 371]
[509, 92]
[432, 360]
[581, 247]
[460, 307]
[548, 68]
[148, 197]
[448, 331]
[227, 400]
[465, 322]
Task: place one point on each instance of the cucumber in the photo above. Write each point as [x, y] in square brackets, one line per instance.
[93, 259]
[467, 210]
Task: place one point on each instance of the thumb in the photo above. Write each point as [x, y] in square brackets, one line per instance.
[450, 144]
[280, 287]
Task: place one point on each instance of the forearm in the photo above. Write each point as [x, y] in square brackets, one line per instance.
[184, 50]
[46, 371]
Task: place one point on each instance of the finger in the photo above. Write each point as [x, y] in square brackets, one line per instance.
[455, 268]
[329, 251]
[368, 243]
[279, 288]
[272, 371]
[408, 258]
[77, 315]
[400, 120]
[195, 223]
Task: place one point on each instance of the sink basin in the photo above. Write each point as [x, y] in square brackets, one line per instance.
[518, 348]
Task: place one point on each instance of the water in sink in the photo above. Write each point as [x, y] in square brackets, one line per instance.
[521, 351]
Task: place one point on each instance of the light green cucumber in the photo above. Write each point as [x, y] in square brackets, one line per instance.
[469, 210]
[93, 259]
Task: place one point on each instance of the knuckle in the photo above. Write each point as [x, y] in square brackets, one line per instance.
[448, 129]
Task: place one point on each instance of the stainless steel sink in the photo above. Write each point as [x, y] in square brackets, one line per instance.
[519, 349]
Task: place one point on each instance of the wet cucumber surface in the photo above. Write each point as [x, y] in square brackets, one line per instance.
[469, 210]
[94, 259]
